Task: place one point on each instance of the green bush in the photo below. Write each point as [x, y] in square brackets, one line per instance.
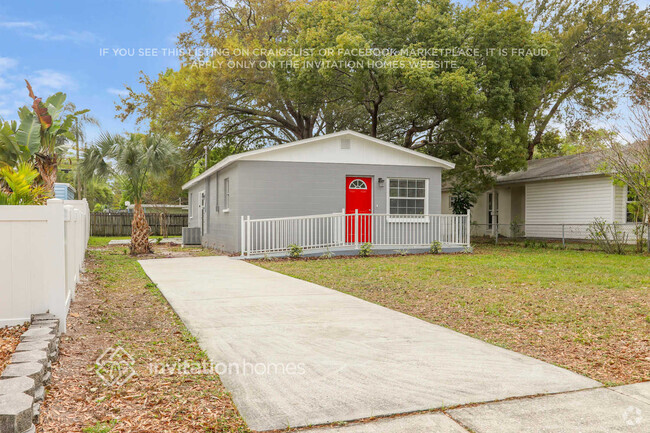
[365, 249]
[436, 248]
[295, 251]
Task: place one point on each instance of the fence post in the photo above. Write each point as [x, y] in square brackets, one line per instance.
[55, 264]
[248, 234]
[242, 230]
[468, 226]
[563, 242]
[356, 229]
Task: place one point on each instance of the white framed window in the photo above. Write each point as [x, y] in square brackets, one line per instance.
[408, 196]
[226, 194]
[190, 205]
[358, 184]
[633, 212]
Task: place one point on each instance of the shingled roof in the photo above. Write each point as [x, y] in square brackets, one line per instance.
[558, 167]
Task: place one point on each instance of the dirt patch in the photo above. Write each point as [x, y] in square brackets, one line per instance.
[9, 339]
[116, 305]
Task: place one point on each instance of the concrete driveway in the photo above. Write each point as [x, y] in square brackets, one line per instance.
[293, 353]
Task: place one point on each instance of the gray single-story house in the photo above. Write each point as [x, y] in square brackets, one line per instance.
[551, 192]
[340, 173]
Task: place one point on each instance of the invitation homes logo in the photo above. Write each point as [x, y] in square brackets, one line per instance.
[115, 366]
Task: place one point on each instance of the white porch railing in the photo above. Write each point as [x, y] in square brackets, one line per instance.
[348, 231]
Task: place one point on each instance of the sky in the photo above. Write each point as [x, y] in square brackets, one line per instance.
[57, 46]
[68, 46]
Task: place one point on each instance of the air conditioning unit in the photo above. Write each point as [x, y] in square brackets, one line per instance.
[191, 235]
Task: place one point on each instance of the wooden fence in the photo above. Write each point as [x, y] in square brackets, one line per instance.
[119, 224]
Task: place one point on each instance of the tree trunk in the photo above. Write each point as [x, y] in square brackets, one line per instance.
[140, 231]
[47, 166]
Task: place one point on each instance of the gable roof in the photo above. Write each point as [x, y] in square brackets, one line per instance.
[258, 153]
[582, 164]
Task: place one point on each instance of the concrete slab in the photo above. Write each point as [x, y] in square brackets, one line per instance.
[639, 391]
[324, 356]
[594, 411]
[426, 423]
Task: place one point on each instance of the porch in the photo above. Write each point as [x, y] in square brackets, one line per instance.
[344, 233]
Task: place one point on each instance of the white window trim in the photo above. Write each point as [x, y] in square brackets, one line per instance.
[410, 219]
[190, 205]
[625, 203]
[226, 195]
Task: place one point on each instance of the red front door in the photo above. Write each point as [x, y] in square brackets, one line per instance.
[358, 197]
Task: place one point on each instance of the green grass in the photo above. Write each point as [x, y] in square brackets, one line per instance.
[102, 241]
[100, 427]
[585, 310]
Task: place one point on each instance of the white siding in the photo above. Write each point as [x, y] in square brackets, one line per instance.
[330, 150]
[568, 201]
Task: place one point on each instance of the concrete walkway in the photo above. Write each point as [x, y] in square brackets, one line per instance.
[298, 354]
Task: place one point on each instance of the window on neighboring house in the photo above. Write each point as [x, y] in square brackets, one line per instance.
[190, 204]
[226, 194]
[407, 196]
[634, 212]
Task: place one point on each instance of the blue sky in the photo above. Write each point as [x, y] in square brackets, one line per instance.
[58, 45]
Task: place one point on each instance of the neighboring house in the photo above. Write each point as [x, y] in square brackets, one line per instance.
[567, 190]
[64, 191]
[344, 171]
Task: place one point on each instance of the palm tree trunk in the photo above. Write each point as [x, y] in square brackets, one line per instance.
[140, 231]
[47, 166]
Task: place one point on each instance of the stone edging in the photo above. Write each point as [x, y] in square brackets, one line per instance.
[22, 384]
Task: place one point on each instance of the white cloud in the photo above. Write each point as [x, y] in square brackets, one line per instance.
[51, 80]
[118, 92]
[7, 63]
[70, 36]
[18, 24]
[43, 32]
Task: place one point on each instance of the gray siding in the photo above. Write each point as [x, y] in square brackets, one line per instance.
[269, 189]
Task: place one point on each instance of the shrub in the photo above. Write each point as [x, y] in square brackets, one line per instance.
[436, 248]
[532, 243]
[516, 228]
[295, 251]
[365, 249]
[327, 254]
[608, 237]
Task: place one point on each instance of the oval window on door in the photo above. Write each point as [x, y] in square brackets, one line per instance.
[358, 184]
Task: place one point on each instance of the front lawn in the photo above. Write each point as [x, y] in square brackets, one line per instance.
[586, 311]
[117, 305]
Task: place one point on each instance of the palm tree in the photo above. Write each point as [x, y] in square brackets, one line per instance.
[132, 160]
[78, 130]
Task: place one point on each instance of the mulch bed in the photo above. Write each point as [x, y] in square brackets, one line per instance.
[116, 304]
[9, 339]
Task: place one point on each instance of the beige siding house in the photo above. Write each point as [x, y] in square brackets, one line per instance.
[552, 192]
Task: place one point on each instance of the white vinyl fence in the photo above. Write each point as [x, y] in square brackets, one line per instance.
[42, 250]
[349, 231]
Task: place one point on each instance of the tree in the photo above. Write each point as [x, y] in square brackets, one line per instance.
[462, 199]
[132, 160]
[600, 43]
[78, 130]
[469, 111]
[627, 160]
[42, 128]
